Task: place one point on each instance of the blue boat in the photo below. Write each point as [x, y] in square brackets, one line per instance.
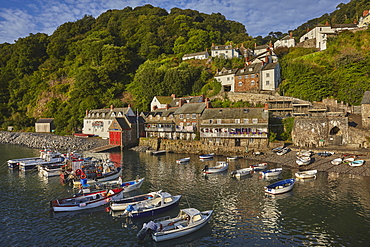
[160, 204]
[206, 156]
[280, 186]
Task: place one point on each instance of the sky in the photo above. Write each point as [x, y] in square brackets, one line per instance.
[19, 18]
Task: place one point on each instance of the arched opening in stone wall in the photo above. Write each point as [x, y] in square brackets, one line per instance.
[334, 131]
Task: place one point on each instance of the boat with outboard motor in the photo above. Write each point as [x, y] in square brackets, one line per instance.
[187, 221]
[280, 186]
[219, 167]
[121, 204]
[47, 156]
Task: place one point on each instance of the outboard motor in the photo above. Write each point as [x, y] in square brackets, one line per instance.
[205, 168]
[148, 229]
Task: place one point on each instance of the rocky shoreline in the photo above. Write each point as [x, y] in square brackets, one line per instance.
[55, 142]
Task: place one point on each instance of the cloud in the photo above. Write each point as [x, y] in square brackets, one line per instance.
[259, 17]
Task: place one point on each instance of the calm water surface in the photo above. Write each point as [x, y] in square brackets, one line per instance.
[332, 210]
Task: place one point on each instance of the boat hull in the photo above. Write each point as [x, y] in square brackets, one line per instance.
[156, 211]
[159, 237]
[280, 187]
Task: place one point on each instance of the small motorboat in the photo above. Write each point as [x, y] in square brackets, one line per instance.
[187, 221]
[283, 151]
[280, 186]
[260, 166]
[271, 173]
[206, 156]
[163, 202]
[126, 186]
[121, 204]
[325, 154]
[257, 153]
[304, 153]
[111, 174]
[306, 174]
[220, 167]
[183, 160]
[277, 149]
[303, 160]
[86, 200]
[336, 161]
[241, 172]
[356, 163]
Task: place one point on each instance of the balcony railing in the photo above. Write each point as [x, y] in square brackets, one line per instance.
[159, 129]
[234, 135]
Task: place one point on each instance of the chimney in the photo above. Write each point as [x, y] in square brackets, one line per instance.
[111, 107]
[270, 45]
[354, 21]
[173, 96]
[266, 59]
[327, 23]
[291, 35]
[207, 103]
[87, 112]
[266, 106]
[255, 45]
[213, 44]
[129, 106]
[180, 102]
[365, 13]
[167, 106]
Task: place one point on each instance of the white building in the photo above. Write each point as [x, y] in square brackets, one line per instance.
[270, 77]
[226, 51]
[226, 78]
[198, 55]
[287, 41]
[97, 121]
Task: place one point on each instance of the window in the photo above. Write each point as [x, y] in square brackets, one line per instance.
[228, 78]
[246, 76]
[240, 77]
[246, 121]
[252, 82]
[267, 74]
[237, 121]
[255, 120]
[211, 121]
[181, 116]
[251, 140]
[240, 83]
[164, 118]
[188, 116]
[267, 82]
[219, 121]
[252, 75]
[250, 69]
[194, 116]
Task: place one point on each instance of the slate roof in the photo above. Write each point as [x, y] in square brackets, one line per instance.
[196, 54]
[270, 66]
[107, 112]
[45, 120]
[366, 98]
[234, 113]
[123, 123]
[226, 71]
[255, 68]
[191, 108]
[164, 99]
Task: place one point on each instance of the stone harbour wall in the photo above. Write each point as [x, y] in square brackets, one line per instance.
[55, 142]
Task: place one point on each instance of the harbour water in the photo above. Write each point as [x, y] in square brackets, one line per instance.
[331, 210]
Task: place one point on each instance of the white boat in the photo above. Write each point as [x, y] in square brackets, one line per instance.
[241, 172]
[283, 151]
[121, 204]
[306, 153]
[232, 157]
[356, 163]
[159, 152]
[280, 186]
[220, 167]
[304, 160]
[183, 160]
[336, 161]
[349, 159]
[86, 200]
[126, 186]
[186, 222]
[160, 204]
[260, 166]
[46, 155]
[272, 172]
[206, 156]
[277, 149]
[50, 170]
[306, 174]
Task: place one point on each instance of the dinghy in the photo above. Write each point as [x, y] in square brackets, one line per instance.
[241, 172]
[186, 222]
[206, 156]
[306, 174]
[304, 160]
[220, 167]
[183, 160]
[280, 186]
[356, 163]
[336, 161]
[121, 204]
[260, 166]
[163, 202]
[272, 172]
